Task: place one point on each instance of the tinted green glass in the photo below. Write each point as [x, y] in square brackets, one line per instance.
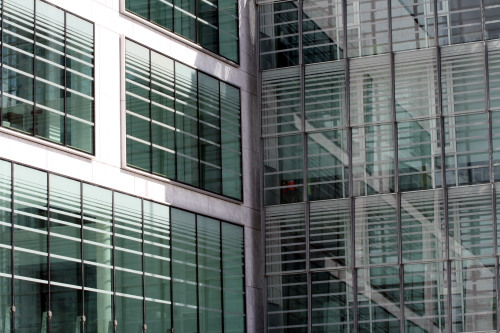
[192, 130]
[30, 220]
[31, 299]
[62, 81]
[184, 270]
[65, 230]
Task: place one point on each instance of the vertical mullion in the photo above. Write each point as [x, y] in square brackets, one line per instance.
[448, 310]
[176, 176]
[65, 132]
[198, 127]
[113, 261]
[34, 73]
[49, 312]
[150, 116]
[13, 306]
[197, 275]
[144, 324]
[220, 145]
[171, 272]
[221, 276]
[82, 257]
[1, 62]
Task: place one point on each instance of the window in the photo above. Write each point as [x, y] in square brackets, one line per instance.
[213, 24]
[182, 124]
[48, 74]
[89, 255]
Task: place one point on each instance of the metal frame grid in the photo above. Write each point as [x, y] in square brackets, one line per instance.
[184, 39]
[125, 165]
[33, 134]
[354, 267]
[113, 293]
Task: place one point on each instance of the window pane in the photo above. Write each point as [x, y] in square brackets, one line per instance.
[470, 221]
[459, 21]
[378, 299]
[325, 96]
[184, 270]
[422, 214]
[376, 230]
[467, 159]
[332, 301]
[419, 151]
[474, 296]
[373, 159]
[31, 299]
[323, 34]
[463, 78]
[330, 232]
[287, 302]
[281, 101]
[416, 84]
[370, 93]
[285, 238]
[279, 40]
[412, 24]
[30, 220]
[327, 165]
[283, 174]
[65, 232]
[368, 30]
[425, 297]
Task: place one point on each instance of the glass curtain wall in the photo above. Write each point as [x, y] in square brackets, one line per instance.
[47, 73]
[182, 124]
[88, 259]
[212, 24]
[380, 122]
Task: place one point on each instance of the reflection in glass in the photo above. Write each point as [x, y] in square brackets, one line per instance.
[287, 302]
[370, 94]
[412, 24]
[421, 235]
[466, 144]
[463, 78]
[416, 84]
[279, 40]
[283, 170]
[332, 301]
[182, 124]
[373, 159]
[470, 221]
[378, 299]
[459, 21]
[474, 295]
[376, 230]
[327, 161]
[322, 31]
[425, 297]
[368, 27]
[330, 233]
[281, 101]
[285, 238]
[325, 99]
[60, 109]
[418, 152]
[212, 24]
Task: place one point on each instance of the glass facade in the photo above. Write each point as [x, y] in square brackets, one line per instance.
[182, 124]
[380, 122]
[75, 257]
[213, 24]
[47, 73]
